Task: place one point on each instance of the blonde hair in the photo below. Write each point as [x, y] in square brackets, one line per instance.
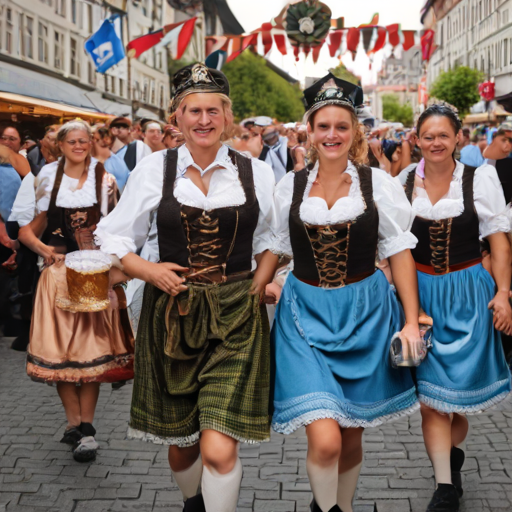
[76, 124]
[358, 151]
[227, 107]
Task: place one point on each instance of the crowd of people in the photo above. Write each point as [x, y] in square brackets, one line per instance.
[344, 234]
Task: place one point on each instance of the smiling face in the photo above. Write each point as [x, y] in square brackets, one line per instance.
[332, 132]
[437, 139]
[503, 143]
[11, 138]
[201, 119]
[76, 146]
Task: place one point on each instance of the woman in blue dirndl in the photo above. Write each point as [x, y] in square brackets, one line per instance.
[465, 372]
[337, 313]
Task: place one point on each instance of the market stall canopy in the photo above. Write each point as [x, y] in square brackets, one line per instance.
[26, 82]
[493, 115]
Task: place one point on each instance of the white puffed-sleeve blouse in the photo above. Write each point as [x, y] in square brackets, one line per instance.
[127, 227]
[395, 213]
[487, 194]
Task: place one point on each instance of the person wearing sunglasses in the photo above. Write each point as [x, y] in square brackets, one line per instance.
[465, 372]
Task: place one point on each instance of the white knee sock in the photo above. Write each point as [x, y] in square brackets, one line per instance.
[324, 484]
[347, 485]
[441, 463]
[189, 479]
[220, 492]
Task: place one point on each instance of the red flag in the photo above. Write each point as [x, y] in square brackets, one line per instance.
[316, 51]
[266, 37]
[141, 44]
[427, 44]
[280, 40]
[408, 39]
[235, 49]
[335, 41]
[381, 39]
[394, 36]
[353, 39]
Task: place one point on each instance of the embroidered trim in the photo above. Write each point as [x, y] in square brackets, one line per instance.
[182, 442]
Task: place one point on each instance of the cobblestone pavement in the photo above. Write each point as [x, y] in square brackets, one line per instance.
[38, 474]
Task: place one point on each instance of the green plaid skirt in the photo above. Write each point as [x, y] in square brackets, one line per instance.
[202, 361]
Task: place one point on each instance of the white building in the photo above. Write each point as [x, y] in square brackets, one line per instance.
[42, 46]
[478, 34]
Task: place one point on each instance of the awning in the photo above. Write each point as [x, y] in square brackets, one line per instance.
[18, 104]
[17, 80]
[495, 114]
[108, 106]
[505, 100]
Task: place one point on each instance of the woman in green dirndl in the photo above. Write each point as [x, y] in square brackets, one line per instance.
[202, 364]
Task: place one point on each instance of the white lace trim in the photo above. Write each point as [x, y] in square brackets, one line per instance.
[344, 422]
[71, 197]
[182, 442]
[448, 408]
[314, 210]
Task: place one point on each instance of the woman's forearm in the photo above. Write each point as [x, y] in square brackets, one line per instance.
[267, 266]
[501, 260]
[135, 267]
[406, 283]
[28, 238]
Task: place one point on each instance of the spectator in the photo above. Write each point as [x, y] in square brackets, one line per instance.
[45, 152]
[132, 152]
[137, 131]
[472, 154]
[498, 155]
[101, 144]
[152, 131]
[10, 137]
[276, 152]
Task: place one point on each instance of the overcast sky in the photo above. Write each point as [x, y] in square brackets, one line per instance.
[252, 13]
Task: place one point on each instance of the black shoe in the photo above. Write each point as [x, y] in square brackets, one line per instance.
[315, 508]
[118, 385]
[445, 499]
[457, 458]
[85, 450]
[195, 504]
[20, 344]
[72, 436]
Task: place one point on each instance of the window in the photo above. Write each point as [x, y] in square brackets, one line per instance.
[42, 42]
[74, 58]
[47, 2]
[121, 88]
[89, 17]
[28, 38]
[145, 92]
[153, 93]
[505, 53]
[162, 96]
[60, 8]
[74, 11]
[105, 82]
[91, 73]
[160, 60]
[113, 85]
[58, 50]
[9, 28]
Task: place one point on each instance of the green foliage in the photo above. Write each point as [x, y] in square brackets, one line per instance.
[394, 111]
[257, 91]
[458, 87]
[342, 72]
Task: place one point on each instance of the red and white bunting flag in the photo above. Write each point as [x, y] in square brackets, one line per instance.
[178, 36]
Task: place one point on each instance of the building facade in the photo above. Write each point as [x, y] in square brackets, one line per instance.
[48, 36]
[477, 34]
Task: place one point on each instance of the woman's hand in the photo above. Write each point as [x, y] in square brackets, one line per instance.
[50, 255]
[411, 341]
[502, 312]
[272, 293]
[164, 277]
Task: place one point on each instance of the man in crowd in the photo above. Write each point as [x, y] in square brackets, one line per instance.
[498, 155]
[153, 135]
[45, 152]
[275, 150]
[471, 154]
[132, 152]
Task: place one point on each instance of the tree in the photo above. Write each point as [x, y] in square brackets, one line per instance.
[394, 111]
[257, 91]
[342, 72]
[458, 87]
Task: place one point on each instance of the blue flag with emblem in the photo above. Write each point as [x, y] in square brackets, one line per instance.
[105, 47]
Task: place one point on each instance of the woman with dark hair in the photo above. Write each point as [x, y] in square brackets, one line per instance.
[465, 372]
[337, 312]
[202, 373]
[77, 351]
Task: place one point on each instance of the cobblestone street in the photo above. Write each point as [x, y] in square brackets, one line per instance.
[38, 474]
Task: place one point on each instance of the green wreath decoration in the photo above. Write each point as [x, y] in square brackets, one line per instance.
[308, 23]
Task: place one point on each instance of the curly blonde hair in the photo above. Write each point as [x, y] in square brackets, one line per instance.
[358, 151]
[227, 107]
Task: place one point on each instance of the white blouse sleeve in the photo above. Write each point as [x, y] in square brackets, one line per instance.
[24, 207]
[281, 243]
[126, 228]
[43, 185]
[490, 202]
[395, 215]
[264, 184]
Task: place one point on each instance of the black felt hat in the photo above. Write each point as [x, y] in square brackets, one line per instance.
[331, 90]
[197, 78]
